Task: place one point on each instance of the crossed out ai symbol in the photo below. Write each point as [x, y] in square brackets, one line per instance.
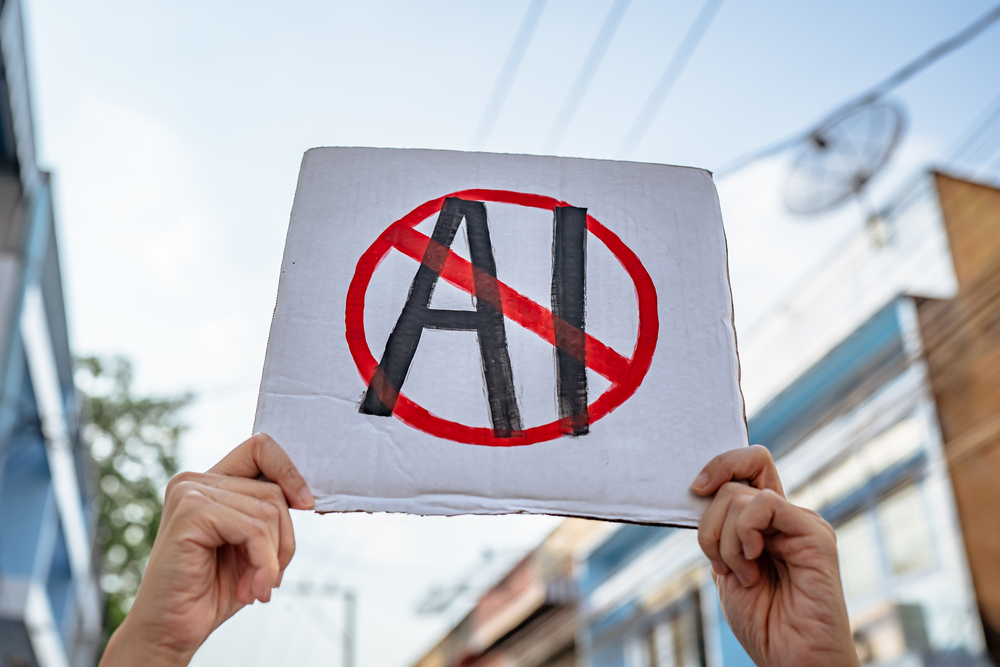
[563, 325]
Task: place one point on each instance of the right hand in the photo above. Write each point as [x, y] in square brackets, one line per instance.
[774, 564]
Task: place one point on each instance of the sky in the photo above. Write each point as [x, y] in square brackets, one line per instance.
[175, 130]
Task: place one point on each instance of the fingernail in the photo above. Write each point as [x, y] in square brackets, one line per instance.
[701, 480]
[743, 579]
[746, 552]
[306, 497]
[719, 568]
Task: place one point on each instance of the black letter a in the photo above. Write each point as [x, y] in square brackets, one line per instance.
[486, 321]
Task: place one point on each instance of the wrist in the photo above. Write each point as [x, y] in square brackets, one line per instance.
[851, 659]
[127, 647]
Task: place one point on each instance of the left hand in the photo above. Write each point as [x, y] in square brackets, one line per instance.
[224, 542]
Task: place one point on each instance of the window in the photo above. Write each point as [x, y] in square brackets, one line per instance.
[903, 522]
[891, 447]
[637, 653]
[893, 538]
[663, 643]
[859, 555]
[675, 641]
[687, 637]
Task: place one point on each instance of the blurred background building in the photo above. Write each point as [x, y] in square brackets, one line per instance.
[529, 618]
[961, 338]
[50, 612]
[875, 383]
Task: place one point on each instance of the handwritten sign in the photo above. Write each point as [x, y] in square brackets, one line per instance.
[479, 333]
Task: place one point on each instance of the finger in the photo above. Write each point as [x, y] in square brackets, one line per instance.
[231, 526]
[777, 514]
[252, 507]
[710, 530]
[265, 492]
[249, 578]
[756, 518]
[262, 455]
[771, 522]
[730, 546]
[753, 464]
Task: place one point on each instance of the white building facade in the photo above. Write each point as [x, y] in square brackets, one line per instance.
[837, 388]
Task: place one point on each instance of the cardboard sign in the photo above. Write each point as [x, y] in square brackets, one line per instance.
[478, 333]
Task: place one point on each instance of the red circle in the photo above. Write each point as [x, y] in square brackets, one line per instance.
[414, 415]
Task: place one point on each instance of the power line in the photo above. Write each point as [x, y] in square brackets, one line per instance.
[993, 166]
[980, 125]
[586, 74]
[439, 598]
[669, 77]
[522, 40]
[875, 92]
[986, 147]
[346, 632]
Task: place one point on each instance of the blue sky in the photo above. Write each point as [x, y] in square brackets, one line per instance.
[175, 132]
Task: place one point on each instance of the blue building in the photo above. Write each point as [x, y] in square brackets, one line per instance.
[50, 606]
[837, 387]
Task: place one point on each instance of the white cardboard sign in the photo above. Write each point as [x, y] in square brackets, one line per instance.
[481, 333]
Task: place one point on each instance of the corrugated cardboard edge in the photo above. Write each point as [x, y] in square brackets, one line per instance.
[277, 293]
[732, 313]
[659, 524]
[609, 517]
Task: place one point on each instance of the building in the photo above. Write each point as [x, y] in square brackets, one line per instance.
[961, 339]
[647, 599]
[875, 385]
[50, 607]
[529, 617]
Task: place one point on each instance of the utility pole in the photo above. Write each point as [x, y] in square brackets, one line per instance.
[350, 618]
[348, 632]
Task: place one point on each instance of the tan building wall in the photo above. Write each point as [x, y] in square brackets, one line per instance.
[962, 346]
[528, 618]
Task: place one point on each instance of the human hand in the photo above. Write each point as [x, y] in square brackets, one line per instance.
[775, 565]
[224, 541]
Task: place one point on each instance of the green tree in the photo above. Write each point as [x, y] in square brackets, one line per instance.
[133, 442]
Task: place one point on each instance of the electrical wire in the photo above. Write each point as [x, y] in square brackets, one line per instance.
[518, 48]
[975, 128]
[872, 94]
[984, 151]
[973, 139]
[992, 166]
[586, 74]
[669, 77]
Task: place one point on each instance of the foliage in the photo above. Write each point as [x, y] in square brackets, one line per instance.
[133, 442]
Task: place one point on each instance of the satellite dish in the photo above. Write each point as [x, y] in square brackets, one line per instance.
[838, 159]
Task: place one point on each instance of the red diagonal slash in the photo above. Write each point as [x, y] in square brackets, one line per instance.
[625, 374]
[519, 308]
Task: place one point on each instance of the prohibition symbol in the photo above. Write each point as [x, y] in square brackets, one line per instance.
[562, 326]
